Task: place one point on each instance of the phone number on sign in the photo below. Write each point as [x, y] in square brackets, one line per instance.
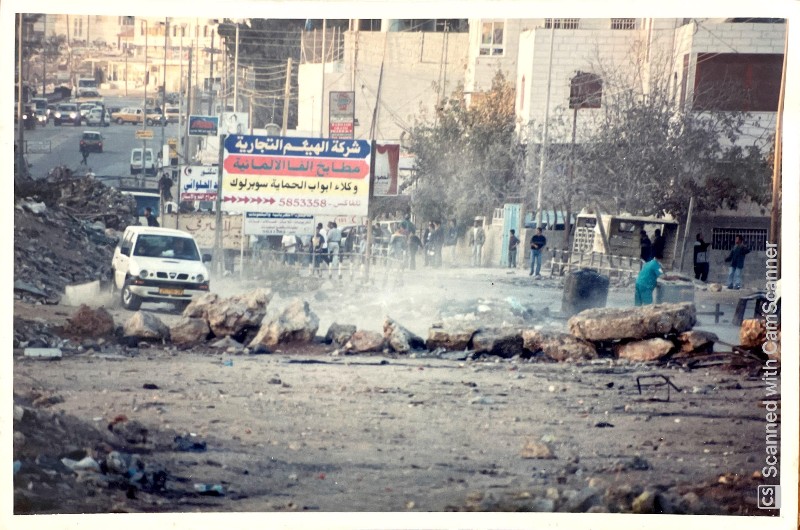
[302, 202]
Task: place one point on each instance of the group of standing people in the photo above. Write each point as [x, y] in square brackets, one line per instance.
[538, 242]
[325, 247]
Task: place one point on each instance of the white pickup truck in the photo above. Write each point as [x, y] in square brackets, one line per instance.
[153, 264]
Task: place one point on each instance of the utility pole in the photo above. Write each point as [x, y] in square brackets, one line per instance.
[286, 89]
[322, 84]
[187, 140]
[211, 75]
[164, 156]
[144, 103]
[219, 252]
[775, 218]
[543, 155]
[22, 167]
[236, 72]
[44, 59]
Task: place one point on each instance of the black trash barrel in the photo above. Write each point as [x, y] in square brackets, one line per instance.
[584, 289]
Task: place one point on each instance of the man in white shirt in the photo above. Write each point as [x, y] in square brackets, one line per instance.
[289, 246]
[334, 240]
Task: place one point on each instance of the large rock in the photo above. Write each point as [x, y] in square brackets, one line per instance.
[189, 331]
[399, 338]
[644, 350]
[91, 322]
[365, 341]
[199, 306]
[229, 316]
[558, 346]
[144, 325]
[339, 334]
[696, 341]
[503, 342]
[295, 323]
[633, 322]
[753, 333]
[449, 338]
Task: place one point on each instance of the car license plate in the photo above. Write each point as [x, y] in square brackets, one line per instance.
[176, 292]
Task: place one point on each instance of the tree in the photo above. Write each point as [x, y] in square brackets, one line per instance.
[644, 153]
[468, 159]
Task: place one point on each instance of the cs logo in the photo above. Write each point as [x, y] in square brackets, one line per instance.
[769, 497]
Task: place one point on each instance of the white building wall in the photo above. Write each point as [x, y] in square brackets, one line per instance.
[481, 69]
[413, 71]
[573, 51]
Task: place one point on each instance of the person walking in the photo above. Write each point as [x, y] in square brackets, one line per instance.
[700, 258]
[513, 241]
[538, 242]
[450, 240]
[736, 259]
[84, 154]
[658, 245]
[334, 247]
[477, 237]
[646, 252]
[318, 253]
[437, 240]
[646, 282]
[151, 219]
[414, 244]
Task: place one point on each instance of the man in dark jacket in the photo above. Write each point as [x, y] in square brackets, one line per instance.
[701, 259]
[151, 219]
[538, 242]
[647, 249]
[736, 259]
[658, 245]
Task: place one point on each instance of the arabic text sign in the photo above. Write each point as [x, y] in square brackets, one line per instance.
[202, 226]
[199, 183]
[295, 175]
[203, 125]
[270, 224]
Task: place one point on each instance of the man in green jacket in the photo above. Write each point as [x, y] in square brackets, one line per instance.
[646, 282]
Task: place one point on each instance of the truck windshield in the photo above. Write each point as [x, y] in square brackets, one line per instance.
[162, 246]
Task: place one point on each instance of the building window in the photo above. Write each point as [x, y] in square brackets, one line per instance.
[748, 82]
[492, 38]
[561, 23]
[725, 238]
[585, 91]
[623, 23]
[205, 31]
[369, 24]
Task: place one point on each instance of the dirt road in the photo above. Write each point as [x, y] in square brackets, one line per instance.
[304, 430]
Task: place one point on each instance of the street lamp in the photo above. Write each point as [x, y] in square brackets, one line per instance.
[164, 156]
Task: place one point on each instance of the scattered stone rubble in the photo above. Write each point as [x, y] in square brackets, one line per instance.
[65, 230]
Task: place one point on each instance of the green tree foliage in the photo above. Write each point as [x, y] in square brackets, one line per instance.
[468, 159]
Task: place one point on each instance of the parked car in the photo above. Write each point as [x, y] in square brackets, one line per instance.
[98, 116]
[173, 114]
[128, 115]
[92, 141]
[153, 264]
[84, 109]
[67, 113]
[156, 117]
[146, 166]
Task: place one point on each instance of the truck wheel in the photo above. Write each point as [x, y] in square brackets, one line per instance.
[130, 301]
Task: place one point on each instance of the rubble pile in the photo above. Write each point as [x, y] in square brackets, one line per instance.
[63, 464]
[65, 230]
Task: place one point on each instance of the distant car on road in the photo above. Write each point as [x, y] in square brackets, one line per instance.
[91, 141]
[98, 116]
[41, 117]
[155, 116]
[67, 113]
[138, 165]
[173, 114]
[133, 115]
[84, 109]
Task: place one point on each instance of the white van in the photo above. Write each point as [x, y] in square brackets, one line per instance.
[158, 265]
[147, 166]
